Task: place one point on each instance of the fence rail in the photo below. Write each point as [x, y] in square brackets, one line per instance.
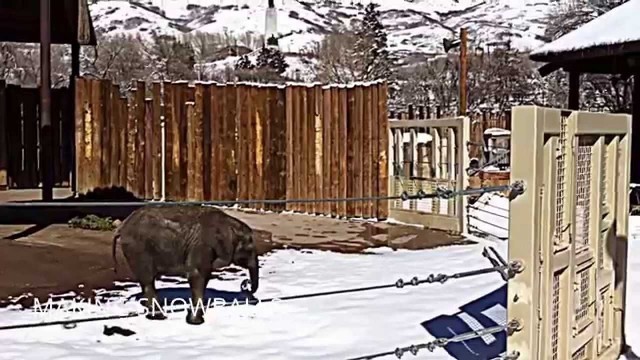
[237, 142]
[571, 232]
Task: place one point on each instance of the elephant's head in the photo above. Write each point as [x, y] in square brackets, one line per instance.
[246, 256]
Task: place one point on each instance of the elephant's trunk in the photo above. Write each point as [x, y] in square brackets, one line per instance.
[253, 267]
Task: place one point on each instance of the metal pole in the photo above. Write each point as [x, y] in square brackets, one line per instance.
[46, 151]
[463, 72]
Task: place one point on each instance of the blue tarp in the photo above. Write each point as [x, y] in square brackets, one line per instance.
[487, 311]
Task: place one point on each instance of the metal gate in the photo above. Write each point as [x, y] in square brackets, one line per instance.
[570, 230]
[427, 154]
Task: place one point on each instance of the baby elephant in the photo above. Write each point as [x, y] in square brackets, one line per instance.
[188, 241]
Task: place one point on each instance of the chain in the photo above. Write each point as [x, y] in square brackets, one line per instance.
[511, 327]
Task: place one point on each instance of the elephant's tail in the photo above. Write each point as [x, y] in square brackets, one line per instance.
[116, 236]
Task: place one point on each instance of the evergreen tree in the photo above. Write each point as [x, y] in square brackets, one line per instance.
[244, 63]
[372, 54]
[271, 59]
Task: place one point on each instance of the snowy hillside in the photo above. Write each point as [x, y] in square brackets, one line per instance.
[416, 26]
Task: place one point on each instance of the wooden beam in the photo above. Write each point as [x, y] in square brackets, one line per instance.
[574, 91]
[635, 131]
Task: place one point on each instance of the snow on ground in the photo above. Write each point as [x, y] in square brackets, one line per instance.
[330, 327]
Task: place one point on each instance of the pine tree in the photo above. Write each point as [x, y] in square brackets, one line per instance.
[271, 59]
[372, 54]
[244, 63]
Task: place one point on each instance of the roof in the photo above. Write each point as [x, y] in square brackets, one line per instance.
[613, 34]
[70, 22]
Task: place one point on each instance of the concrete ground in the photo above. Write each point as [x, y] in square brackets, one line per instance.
[57, 258]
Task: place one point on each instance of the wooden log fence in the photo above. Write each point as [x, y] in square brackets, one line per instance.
[237, 142]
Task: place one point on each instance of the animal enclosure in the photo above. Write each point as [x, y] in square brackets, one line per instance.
[20, 136]
[570, 230]
[427, 154]
[237, 142]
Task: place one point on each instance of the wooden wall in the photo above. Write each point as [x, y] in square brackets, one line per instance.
[237, 142]
[19, 136]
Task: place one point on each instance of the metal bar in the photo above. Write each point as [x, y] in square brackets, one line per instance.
[46, 151]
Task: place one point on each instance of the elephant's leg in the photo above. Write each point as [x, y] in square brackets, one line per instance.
[142, 266]
[198, 283]
[154, 308]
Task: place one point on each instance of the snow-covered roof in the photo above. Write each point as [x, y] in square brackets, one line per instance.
[617, 26]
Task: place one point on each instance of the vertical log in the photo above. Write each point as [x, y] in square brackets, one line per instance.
[342, 150]
[156, 140]
[191, 151]
[289, 110]
[383, 148]
[217, 100]
[187, 95]
[177, 107]
[80, 113]
[358, 148]
[311, 148]
[297, 148]
[198, 133]
[351, 144]
[98, 115]
[319, 149]
[148, 157]
[105, 102]
[114, 121]
[131, 142]
[252, 108]
[140, 139]
[375, 153]
[242, 106]
[123, 132]
[230, 126]
[366, 153]
[4, 148]
[335, 149]
[304, 146]
[266, 158]
[282, 141]
[260, 142]
[206, 141]
[326, 144]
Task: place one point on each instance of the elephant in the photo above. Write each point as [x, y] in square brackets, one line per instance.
[189, 241]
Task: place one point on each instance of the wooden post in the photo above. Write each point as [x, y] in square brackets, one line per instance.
[574, 90]
[375, 154]
[289, 111]
[141, 161]
[156, 140]
[326, 145]
[463, 72]
[303, 133]
[342, 149]
[383, 156]
[310, 120]
[281, 133]
[366, 154]
[207, 157]
[230, 126]
[79, 168]
[75, 73]
[351, 150]
[218, 112]
[635, 131]
[335, 149]
[319, 149]
[105, 102]
[131, 142]
[114, 129]
[4, 179]
[358, 149]
[46, 153]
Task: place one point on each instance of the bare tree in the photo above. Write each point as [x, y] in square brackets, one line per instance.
[335, 56]
[119, 58]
